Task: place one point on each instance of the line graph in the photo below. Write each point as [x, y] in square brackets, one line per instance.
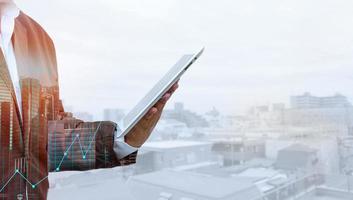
[84, 152]
[17, 172]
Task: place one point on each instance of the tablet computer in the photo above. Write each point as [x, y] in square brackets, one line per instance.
[156, 93]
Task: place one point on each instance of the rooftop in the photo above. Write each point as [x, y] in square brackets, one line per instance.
[200, 184]
[171, 144]
[90, 185]
[324, 193]
[260, 173]
[300, 148]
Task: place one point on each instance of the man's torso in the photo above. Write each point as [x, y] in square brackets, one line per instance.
[23, 138]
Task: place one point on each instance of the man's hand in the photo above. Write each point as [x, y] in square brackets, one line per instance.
[143, 129]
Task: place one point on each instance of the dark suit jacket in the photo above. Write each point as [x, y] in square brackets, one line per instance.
[24, 140]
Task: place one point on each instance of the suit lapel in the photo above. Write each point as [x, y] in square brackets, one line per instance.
[5, 75]
[20, 45]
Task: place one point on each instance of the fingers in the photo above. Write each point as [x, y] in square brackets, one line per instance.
[158, 107]
[174, 88]
[164, 99]
[151, 112]
[161, 103]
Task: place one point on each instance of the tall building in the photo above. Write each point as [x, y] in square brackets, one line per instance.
[113, 115]
[71, 142]
[5, 128]
[34, 103]
[31, 93]
[308, 101]
[6, 113]
[10, 137]
[332, 115]
[53, 104]
[191, 119]
[39, 104]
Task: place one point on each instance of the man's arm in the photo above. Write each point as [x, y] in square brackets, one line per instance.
[93, 145]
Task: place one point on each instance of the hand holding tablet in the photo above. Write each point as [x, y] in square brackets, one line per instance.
[144, 116]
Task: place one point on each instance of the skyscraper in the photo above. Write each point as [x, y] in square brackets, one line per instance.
[10, 136]
[6, 113]
[70, 143]
[32, 105]
[5, 124]
[114, 115]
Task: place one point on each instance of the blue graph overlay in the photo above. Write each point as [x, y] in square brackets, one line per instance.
[83, 151]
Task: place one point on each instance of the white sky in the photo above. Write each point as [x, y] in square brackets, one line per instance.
[111, 52]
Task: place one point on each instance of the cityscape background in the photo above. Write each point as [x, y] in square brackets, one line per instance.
[266, 113]
[275, 152]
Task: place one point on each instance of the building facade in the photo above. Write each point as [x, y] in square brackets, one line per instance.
[309, 101]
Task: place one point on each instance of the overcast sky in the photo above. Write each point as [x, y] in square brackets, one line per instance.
[257, 52]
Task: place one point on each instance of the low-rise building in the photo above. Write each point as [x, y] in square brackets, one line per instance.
[90, 185]
[326, 151]
[297, 157]
[181, 185]
[239, 150]
[157, 155]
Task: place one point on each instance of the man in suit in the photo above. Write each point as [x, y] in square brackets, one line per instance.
[29, 98]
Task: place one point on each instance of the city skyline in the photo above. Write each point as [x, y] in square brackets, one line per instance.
[269, 50]
[106, 112]
[266, 113]
[300, 152]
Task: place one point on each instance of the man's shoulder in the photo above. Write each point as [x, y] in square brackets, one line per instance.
[32, 27]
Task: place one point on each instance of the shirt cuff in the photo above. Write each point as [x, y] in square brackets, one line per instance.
[121, 148]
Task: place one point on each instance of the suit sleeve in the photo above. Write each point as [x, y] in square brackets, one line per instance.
[96, 148]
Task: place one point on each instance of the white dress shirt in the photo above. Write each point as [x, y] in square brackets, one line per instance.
[7, 28]
[121, 148]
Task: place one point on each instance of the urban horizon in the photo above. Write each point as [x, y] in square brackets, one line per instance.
[100, 114]
[265, 114]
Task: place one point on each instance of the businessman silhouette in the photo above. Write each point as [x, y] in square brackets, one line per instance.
[29, 98]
